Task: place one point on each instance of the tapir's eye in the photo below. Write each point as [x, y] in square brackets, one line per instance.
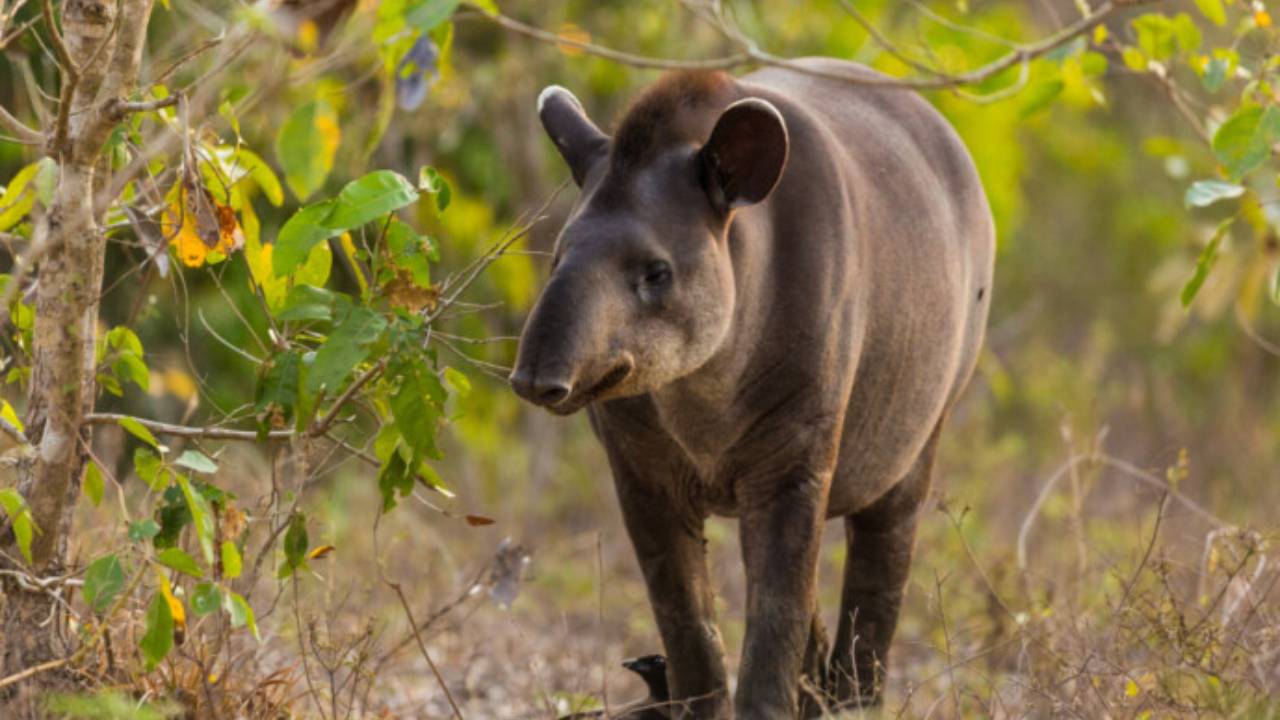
[657, 273]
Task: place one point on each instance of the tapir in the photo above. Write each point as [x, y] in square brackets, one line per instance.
[768, 294]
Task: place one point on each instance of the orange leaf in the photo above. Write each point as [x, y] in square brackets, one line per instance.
[320, 552]
[479, 520]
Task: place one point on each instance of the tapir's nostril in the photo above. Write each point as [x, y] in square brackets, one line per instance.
[550, 393]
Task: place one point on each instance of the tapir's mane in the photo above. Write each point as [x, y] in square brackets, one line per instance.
[670, 112]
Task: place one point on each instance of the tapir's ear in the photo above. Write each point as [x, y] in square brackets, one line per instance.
[579, 141]
[744, 157]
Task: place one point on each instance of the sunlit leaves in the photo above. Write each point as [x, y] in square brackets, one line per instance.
[306, 146]
[20, 519]
[1213, 10]
[140, 431]
[1243, 142]
[231, 560]
[31, 183]
[103, 581]
[1203, 193]
[361, 201]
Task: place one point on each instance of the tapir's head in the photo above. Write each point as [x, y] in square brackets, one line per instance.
[642, 287]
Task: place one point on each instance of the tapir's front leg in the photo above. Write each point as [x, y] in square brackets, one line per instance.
[781, 530]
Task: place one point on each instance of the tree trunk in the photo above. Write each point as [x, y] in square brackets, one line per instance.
[99, 68]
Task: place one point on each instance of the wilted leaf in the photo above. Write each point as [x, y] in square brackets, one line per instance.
[320, 552]
[176, 611]
[479, 520]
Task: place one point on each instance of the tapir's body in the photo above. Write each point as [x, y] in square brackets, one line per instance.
[857, 287]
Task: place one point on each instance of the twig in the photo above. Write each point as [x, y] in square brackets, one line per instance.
[22, 132]
[185, 431]
[320, 426]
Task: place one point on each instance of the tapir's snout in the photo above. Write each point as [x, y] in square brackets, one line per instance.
[545, 391]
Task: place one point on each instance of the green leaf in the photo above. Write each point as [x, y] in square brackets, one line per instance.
[425, 15]
[103, 581]
[1040, 95]
[430, 181]
[231, 560]
[295, 545]
[31, 183]
[1157, 36]
[201, 518]
[1205, 262]
[1187, 32]
[369, 198]
[459, 382]
[139, 431]
[196, 461]
[306, 146]
[394, 477]
[261, 173]
[205, 598]
[300, 234]
[1213, 10]
[1203, 193]
[241, 614]
[143, 530]
[408, 251]
[93, 484]
[20, 519]
[278, 386]
[131, 367]
[158, 639]
[346, 348]
[307, 302]
[1243, 142]
[179, 560]
[150, 469]
[1215, 74]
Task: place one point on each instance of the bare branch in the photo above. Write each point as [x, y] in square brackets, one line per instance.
[186, 431]
[60, 52]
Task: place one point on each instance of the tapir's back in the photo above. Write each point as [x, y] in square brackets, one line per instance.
[923, 239]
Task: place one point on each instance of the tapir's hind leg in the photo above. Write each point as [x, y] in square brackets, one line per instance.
[880, 541]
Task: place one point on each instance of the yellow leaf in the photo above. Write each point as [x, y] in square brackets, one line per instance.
[1099, 34]
[175, 608]
[349, 249]
[1131, 689]
[308, 35]
[179, 383]
[320, 552]
[7, 412]
[1262, 19]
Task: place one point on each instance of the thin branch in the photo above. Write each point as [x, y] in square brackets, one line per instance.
[185, 431]
[60, 51]
[641, 61]
[320, 426]
[22, 132]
